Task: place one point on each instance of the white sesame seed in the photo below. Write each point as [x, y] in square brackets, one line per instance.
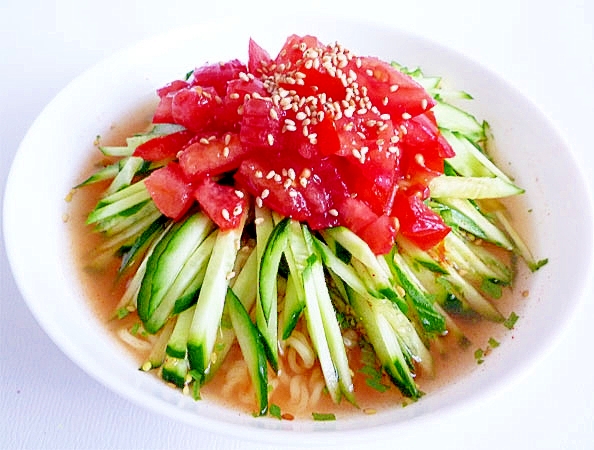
[258, 174]
[385, 116]
[291, 173]
[239, 194]
[259, 202]
[226, 152]
[394, 88]
[227, 139]
[270, 139]
[300, 115]
[204, 141]
[273, 114]
[303, 182]
[333, 212]
[424, 103]
[259, 220]
[230, 276]
[288, 183]
[225, 214]
[292, 194]
[265, 193]
[278, 178]
[243, 76]
[234, 96]
[270, 174]
[356, 153]
[406, 116]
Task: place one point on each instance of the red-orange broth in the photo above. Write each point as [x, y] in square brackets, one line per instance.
[451, 360]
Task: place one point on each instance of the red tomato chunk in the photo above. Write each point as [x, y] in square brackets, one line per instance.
[316, 133]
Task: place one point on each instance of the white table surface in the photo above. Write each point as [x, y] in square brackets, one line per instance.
[546, 49]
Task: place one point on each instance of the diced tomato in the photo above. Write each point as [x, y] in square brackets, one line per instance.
[163, 147]
[174, 86]
[258, 59]
[261, 124]
[194, 107]
[380, 235]
[212, 156]
[170, 190]
[162, 112]
[418, 222]
[356, 214]
[221, 203]
[218, 75]
[293, 48]
[229, 113]
[392, 91]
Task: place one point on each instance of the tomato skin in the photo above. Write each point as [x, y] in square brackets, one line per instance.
[380, 234]
[194, 107]
[220, 203]
[170, 190]
[163, 147]
[212, 157]
[218, 75]
[230, 112]
[172, 87]
[258, 59]
[261, 125]
[379, 76]
[418, 222]
[162, 112]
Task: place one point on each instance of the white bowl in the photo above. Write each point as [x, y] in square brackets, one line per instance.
[51, 157]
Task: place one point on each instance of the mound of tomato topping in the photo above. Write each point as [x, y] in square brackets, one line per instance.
[316, 133]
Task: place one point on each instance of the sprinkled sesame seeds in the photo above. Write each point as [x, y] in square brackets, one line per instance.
[226, 152]
[270, 139]
[239, 194]
[333, 212]
[225, 214]
[406, 116]
[393, 88]
[204, 141]
[265, 193]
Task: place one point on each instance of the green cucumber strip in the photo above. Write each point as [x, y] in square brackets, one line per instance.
[130, 296]
[118, 223]
[182, 291]
[102, 174]
[252, 349]
[315, 326]
[128, 169]
[407, 334]
[243, 284]
[385, 343]
[165, 264]
[454, 119]
[269, 264]
[520, 247]
[420, 299]
[211, 300]
[142, 242]
[175, 370]
[332, 332]
[177, 344]
[119, 202]
[464, 290]
[296, 255]
[475, 222]
[158, 353]
[267, 300]
[460, 253]
[472, 187]
[470, 161]
[420, 257]
[344, 271]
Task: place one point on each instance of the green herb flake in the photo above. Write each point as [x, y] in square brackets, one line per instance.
[511, 321]
[493, 343]
[323, 417]
[376, 384]
[135, 328]
[275, 411]
[479, 354]
[122, 312]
